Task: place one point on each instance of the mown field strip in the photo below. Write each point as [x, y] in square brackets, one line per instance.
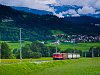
[11, 61]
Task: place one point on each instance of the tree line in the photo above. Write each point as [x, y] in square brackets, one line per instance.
[33, 50]
[37, 50]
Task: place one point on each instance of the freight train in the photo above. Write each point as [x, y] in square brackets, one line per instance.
[61, 56]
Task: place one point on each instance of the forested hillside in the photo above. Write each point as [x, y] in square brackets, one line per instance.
[39, 27]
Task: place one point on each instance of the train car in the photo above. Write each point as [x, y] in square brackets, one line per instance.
[78, 56]
[64, 55]
[58, 56]
[69, 56]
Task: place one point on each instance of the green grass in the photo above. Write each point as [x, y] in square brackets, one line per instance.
[56, 32]
[79, 46]
[8, 61]
[83, 66]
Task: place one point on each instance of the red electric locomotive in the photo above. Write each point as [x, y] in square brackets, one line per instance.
[57, 56]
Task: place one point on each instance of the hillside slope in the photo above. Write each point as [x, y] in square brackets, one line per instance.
[39, 27]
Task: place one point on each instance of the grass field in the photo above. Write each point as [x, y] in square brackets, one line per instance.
[9, 61]
[82, 66]
[79, 46]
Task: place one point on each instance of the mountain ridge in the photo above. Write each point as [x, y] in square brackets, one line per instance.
[65, 11]
[29, 10]
[39, 26]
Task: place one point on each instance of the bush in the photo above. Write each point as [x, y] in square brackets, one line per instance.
[36, 55]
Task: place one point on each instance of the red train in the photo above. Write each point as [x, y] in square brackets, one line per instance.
[61, 56]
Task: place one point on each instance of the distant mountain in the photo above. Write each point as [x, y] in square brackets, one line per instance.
[57, 10]
[39, 27]
[83, 20]
[34, 11]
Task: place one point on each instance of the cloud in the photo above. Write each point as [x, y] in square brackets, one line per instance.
[73, 2]
[75, 15]
[97, 4]
[26, 2]
[88, 6]
[34, 4]
[60, 15]
[46, 1]
[86, 10]
[91, 3]
[98, 12]
[70, 11]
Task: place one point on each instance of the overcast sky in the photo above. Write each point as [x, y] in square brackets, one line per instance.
[88, 6]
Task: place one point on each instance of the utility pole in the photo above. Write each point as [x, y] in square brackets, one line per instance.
[0, 48]
[20, 46]
[85, 54]
[98, 52]
[56, 43]
[92, 52]
[0, 52]
[74, 45]
[73, 41]
[56, 49]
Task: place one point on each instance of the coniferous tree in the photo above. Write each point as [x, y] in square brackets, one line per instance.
[5, 51]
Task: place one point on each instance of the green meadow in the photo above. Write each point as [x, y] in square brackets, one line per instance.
[79, 46]
[82, 66]
[10, 61]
